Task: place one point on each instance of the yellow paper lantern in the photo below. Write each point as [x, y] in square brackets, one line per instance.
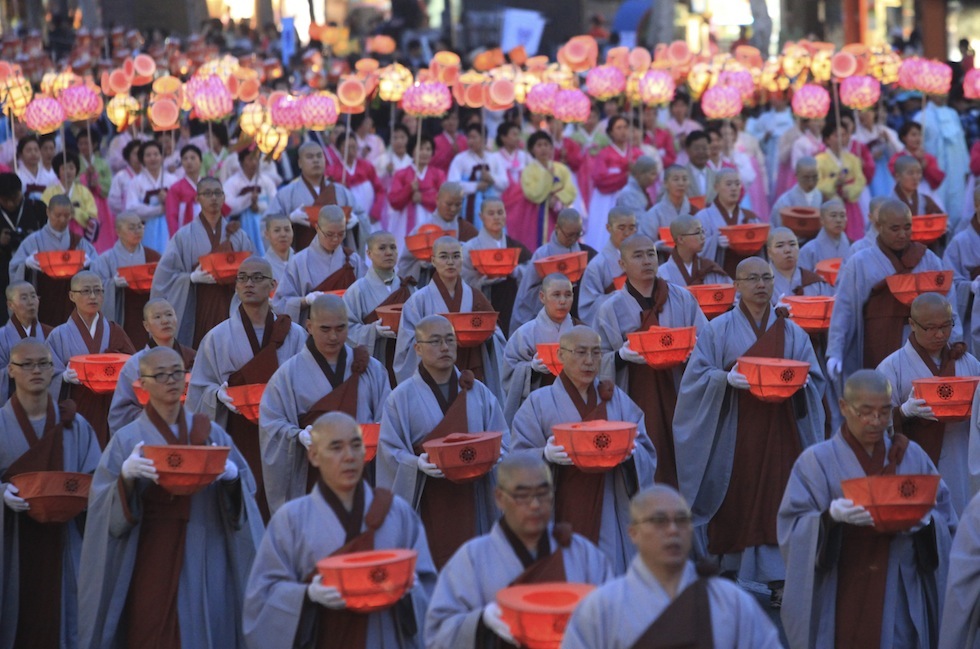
[121, 110]
[271, 139]
[252, 117]
[17, 95]
[394, 80]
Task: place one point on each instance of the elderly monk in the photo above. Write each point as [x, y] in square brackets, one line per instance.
[803, 194]
[324, 266]
[200, 302]
[122, 304]
[672, 205]
[284, 606]
[960, 627]
[379, 287]
[326, 375]
[55, 235]
[160, 324]
[22, 304]
[646, 301]
[447, 293]
[868, 322]
[925, 355]
[501, 291]
[963, 256]
[908, 178]
[436, 401]
[663, 600]
[830, 242]
[848, 586]
[449, 203]
[723, 211]
[721, 430]
[246, 348]
[524, 371]
[595, 504]
[602, 271]
[789, 276]
[685, 266]
[314, 189]
[159, 570]
[39, 568]
[524, 547]
[87, 332]
[564, 240]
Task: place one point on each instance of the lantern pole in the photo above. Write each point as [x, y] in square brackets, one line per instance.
[12, 118]
[835, 87]
[343, 163]
[418, 141]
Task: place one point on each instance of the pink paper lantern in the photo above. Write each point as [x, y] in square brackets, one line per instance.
[44, 115]
[287, 112]
[971, 84]
[319, 112]
[934, 78]
[430, 99]
[80, 103]
[811, 102]
[860, 93]
[210, 97]
[657, 87]
[741, 79]
[605, 82]
[721, 102]
[572, 106]
[541, 98]
[909, 71]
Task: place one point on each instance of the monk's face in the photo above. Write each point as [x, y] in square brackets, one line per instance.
[88, 295]
[691, 240]
[160, 321]
[494, 217]
[254, 283]
[58, 217]
[330, 235]
[895, 230]
[329, 331]
[833, 219]
[130, 231]
[279, 234]
[784, 251]
[447, 259]
[932, 326]
[448, 205]
[337, 452]
[910, 177]
[312, 163]
[807, 178]
[639, 262]
[677, 182]
[211, 197]
[31, 370]
[557, 299]
[24, 303]
[621, 229]
[754, 283]
[868, 415]
[581, 356]
[525, 497]
[163, 380]
[661, 530]
[436, 346]
[729, 188]
[383, 252]
[568, 234]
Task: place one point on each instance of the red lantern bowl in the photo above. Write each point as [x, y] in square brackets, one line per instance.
[570, 264]
[663, 347]
[246, 399]
[183, 469]
[714, 299]
[773, 379]
[139, 277]
[747, 238]
[896, 502]
[369, 581]
[99, 372]
[54, 496]
[598, 445]
[811, 312]
[495, 262]
[950, 397]
[473, 327]
[908, 286]
[537, 614]
[464, 457]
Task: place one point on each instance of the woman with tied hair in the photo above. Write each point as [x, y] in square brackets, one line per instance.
[610, 173]
[412, 197]
[547, 188]
[147, 195]
[248, 193]
[511, 157]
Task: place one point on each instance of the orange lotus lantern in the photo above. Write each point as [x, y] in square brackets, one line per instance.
[580, 53]
[811, 102]
[286, 111]
[44, 115]
[541, 98]
[351, 95]
[605, 82]
[431, 99]
[445, 66]
[381, 44]
[252, 117]
[122, 110]
[657, 88]
[319, 111]
[393, 81]
[572, 106]
[935, 78]
[164, 114]
[470, 89]
[860, 93]
[721, 102]
[500, 94]
[80, 103]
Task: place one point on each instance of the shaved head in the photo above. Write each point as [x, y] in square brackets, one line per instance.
[894, 208]
[376, 238]
[450, 189]
[126, 217]
[151, 305]
[328, 303]
[777, 234]
[29, 347]
[445, 243]
[553, 279]
[255, 263]
[874, 208]
[333, 421]
[723, 173]
[806, 163]
[425, 326]
[752, 265]
[928, 304]
[81, 277]
[868, 381]
[308, 146]
[514, 465]
[619, 213]
[833, 203]
[635, 241]
[159, 356]
[682, 225]
[642, 502]
[332, 214]
[13, 289]
[673, 169]
[643, 164]
[905, 163]
[579, 336]
[569, 217]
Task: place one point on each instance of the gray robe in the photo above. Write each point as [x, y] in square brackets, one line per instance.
[482, 567]
[519, 379]
[222, 534]
[8, 338]
[411, 266]
[617, 614]
[527, 304]
[712, 221]
[107, 266]
[277, 611]
[962, 254]
[81, 455]
[362, 298]
[484, 241]
[278, 265]
[783, 287]
[869, 240]
[304, 272]
[599, 274]
[912, 598]
[551, 405]
[292, 392]
[670, 271]
[44, 240]
[172, 279]
[296, 195]
[125, 407]
[633, 197]
[823, 247]
[794, 197]
[960, 628]
[661, 215]
[696, 189]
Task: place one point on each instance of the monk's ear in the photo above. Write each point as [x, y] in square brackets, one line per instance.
[312, 456]
[622, 266]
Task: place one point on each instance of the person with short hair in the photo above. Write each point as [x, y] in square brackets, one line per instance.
[699, 172]
[22, 305]
[85, 215]
[789, 276]
[277, 232]
[36, 178]
[725, 210]
[685, 266]
[908, 180]
[147, 194]
[448, 203]
[248, 194]
[830, 242]
[598, 281]
[963, 256]
[804, 193]
[673, 204]
[20, 216]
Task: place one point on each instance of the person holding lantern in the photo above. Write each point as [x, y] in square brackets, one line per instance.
[147, 194]
[547, 188]
[610, 172]
[22, 304]
[724, 210]
[449, 202]
[248, 194]
[830, 242]
[671, 206]
[804, 193]
[841, 175]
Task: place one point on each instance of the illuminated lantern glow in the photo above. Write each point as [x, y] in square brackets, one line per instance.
[540, 99]
[934, 78]
[811, 102]
[319, 111]
[572, 106]
[286, 111]
[44, 115]
[445, 66]
[860, 93]
[210, 97]
[252, 118]
[121, 110]
[741, 79]
[971, 84]
[393, 81]
[271, 140]
[470, 89]
[698, 79]
[605, 82]
[657, 87]
[429, 99]
[80, 103]
[909, 71]
[721, 102]
[17, 94]
[351, 94]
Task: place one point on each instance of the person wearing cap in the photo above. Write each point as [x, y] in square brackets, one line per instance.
[22, 305]
[39, 568]
[286, 605]
[830, 242]
[327, 375]
[525, 546]
[685, 266]
[803, 194]
[158, 569]
[848, 585]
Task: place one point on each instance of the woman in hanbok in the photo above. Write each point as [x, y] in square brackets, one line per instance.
[216, 151]
[147, 195]
[414, 190]
[680, 124]
[122, 178]
[610, 173]
[862, 153]
[841, 176]
[181, 205]
[370, 146]
[570, 153]
[785, 171]
[248, 193]
[511, 158]
[743, 150]
[932, 176]
[33, 176]
[359, 176]
[810, 142]
[546, 188]
[85, 216]
[591, 139]
[883, 143]
[96, 176]
[390, 163]
[48, 144]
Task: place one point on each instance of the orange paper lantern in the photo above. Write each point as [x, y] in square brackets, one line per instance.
[537, 614]
[746, 238]
[184, 470]
[598, 445]
[370, 433]
[927, 228]
[714, 299]
[896, 502]
[548, 353]
[246, 399]
[773, 379]
[99, 372]
[54, 496]
[908, 286]
[828, 269]
[473, 327]
[465, 457]
[570, 264]
[803, 221]
[390, 316]
[950, 397]
[663, 347]
[495, 262]
[369, 581]
[811, 312]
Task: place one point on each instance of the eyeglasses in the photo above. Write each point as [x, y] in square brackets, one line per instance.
[449, 257]
[526, 498]
[166, 377]
[88, 292]
[217, 193]
[696, 233]
[755, 279]
[30, 366]
[943, 328]
[871, 415]
[255, 278]
[439, 341]
[333, 235]
[582, 354]
[662, 521]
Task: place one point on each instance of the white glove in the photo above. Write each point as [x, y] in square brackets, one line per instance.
[556, 454]
[306, 436]
[629, 355]
[327, 596]
[383, 331]
[722, 241]
[835, 367]
[736, 379]
[137, 466]
[843, 510]
[311, 297]
[13, 501]
[87, 261]
[538, 365]
[70, 376]
[975, 286]
[428, 468]
[917, 408]
[199, 276]
[492, 620]
[120, 281]
[923, 522]
[300, 216]
[231, 470]
[226, 399]
[32, 263]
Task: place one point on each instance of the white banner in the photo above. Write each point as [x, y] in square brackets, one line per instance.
[521, 27]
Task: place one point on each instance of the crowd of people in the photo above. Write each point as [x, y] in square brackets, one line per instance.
[723, 495]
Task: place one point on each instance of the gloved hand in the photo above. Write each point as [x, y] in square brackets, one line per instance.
[975, 286]
[835, 367]
[556, 454]
[13, 501]
[493, 620]
[312, 296]
[226, 399]
[629, 355]
[538, 365]
[383, 331]
[428, 468]
[31, 262]
[70, 376]
[917, 408]
[120, 281]
[136, 466]
[199, 276]
[923, 522]
[306, 436]
[327, 596]
[736, 379]
[722, 241]
[86, 261]
[300, 216]
[231, 470]
[843, 510]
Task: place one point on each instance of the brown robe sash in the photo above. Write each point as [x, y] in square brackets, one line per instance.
[447, 510]
[151, 604]
[884, 315]
[862, 568]
[327, 195]
[548, 566]
[340, 279]
[731, 259]
[913, 202]
[927, 433]
[700, 269]
[399, 296]
[213, 301]
[56, 305]
[467, 358]
[767, 443]
[684, 624]
[133, 303]
[40, 544]
[503, 295]
[33, 333]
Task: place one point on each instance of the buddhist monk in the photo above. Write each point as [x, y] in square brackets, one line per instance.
[449, 203]
[604, 268]
[284, 606]
[803, 194]
[963, 256]
[39, 571]
[594, 503]
[724, 210]
[663, 600]
[436, 401]
[685, 266]
[524, 547]
[789, 276]
[673, 204]
[960, 625]
[159, 570]
[22, 305]
[326, 375]
[830, 242]
[848, 586]
[908, 179]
